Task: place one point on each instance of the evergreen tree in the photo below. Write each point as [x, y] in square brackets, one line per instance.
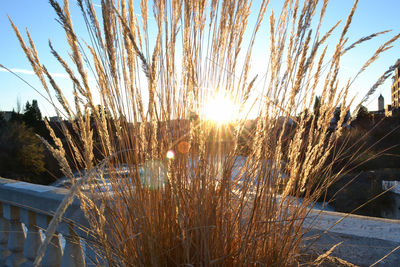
[16, 116]
[317, 106]
[32, 113]
[2, 120]
[33, 118]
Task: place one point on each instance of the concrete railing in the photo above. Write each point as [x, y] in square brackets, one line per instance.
[26, 209]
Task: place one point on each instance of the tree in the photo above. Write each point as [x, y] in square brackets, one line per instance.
[32, 113]
[33, 118]
[16, 116]
[21, 153]
[2, 120]
[363, 114]
[317, 106]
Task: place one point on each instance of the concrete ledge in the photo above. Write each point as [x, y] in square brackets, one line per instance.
[365, 239]
[354, 225]
[361, 251]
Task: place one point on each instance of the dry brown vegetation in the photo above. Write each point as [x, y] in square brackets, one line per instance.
[205, 205]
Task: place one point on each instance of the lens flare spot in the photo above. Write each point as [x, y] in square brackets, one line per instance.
[170, 154]
[183, 147]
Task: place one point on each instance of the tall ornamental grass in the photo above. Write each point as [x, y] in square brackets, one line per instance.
[169, 184]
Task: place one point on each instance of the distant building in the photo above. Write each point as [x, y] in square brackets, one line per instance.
[396, 88]
[54, 119]
[388, 111]
[394, 108]
[381, 112]
[381, 103]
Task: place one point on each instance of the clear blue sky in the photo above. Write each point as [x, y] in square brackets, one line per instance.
[39, 18]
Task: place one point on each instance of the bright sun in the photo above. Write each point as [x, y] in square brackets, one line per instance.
[221, 109]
